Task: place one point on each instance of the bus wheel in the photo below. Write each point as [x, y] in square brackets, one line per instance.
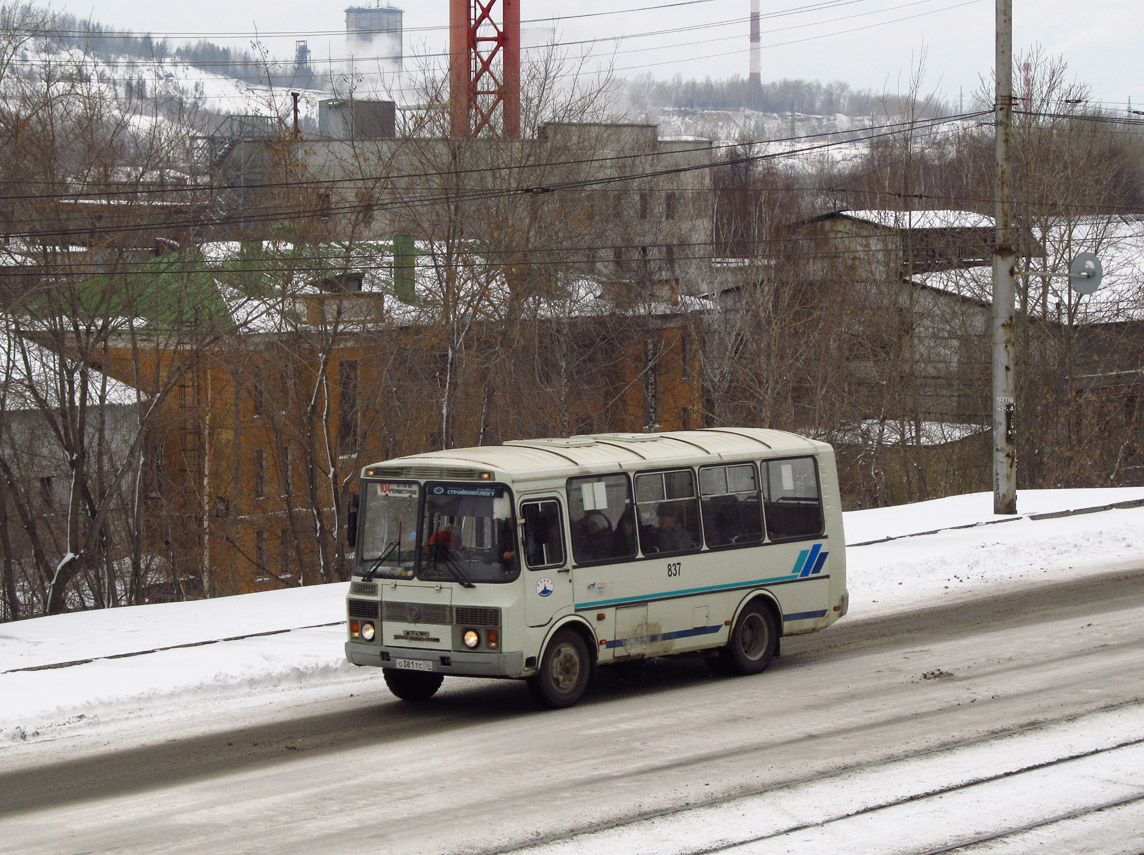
[752, 644]
[564, 672]
[412, 685]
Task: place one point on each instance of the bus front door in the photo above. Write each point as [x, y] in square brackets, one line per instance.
[547, 574]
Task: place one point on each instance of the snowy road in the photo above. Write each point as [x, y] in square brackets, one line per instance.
[912, 732]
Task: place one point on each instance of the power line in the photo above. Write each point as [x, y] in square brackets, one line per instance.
[413, 201]
[859, 136]
[622, 37]
[441, 28]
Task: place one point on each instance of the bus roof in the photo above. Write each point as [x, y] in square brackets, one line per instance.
[603, 452]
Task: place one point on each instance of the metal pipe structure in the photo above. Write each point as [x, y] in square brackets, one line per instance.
[477, 87]
[1004, 288]
[459, 28]
[510, 24]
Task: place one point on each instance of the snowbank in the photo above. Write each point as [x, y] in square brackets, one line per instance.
[96, 666]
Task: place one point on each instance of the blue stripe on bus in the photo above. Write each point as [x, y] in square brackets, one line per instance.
[812, 559]
[667, 595]
[799, 562]
[666, 636]
[818, 564]
[804, 615]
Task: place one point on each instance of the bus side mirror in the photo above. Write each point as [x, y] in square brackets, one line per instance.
[352, 520]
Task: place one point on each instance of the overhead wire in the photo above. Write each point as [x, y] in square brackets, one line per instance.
[674, 31]
[817, 248]
[579, 185]
[859, 135]
[827, 140]
[443, 28]
[468, 197]
[333, 252]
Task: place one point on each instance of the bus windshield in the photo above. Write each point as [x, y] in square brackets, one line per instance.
[469, 534]
[389, 528]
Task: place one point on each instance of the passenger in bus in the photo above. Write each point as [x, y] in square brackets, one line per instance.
[443, 542]
[723, 513]
[595, 537]
[624, 537]
[507, 547]
[669, 535]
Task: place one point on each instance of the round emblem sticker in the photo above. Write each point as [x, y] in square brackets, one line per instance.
[545, 587]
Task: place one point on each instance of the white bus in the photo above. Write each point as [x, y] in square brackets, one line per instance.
[545, 559]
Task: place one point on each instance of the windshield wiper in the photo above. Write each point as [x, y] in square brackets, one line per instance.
[368, 576]
[442, 554]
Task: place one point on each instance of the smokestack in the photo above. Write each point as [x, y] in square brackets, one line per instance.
[756, 78]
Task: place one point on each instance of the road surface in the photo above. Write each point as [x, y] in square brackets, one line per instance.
[841, 725]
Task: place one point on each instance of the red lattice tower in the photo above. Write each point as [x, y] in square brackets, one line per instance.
[484, 67]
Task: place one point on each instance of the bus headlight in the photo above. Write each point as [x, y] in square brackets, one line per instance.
[368, 631]
[471, 638]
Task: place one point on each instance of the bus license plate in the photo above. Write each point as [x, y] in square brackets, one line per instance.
[413, 664]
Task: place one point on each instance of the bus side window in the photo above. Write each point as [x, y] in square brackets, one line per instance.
[792, 503]
[595, 505]
[543, 539]
[668, 512]
[730, 502]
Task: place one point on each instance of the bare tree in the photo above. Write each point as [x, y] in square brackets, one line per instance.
[80, 295]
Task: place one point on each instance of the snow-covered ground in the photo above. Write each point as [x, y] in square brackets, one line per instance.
[174, 658]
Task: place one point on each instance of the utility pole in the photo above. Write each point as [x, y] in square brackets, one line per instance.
[1004, 289]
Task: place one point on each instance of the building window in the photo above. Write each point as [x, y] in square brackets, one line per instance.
[348, 421]
[258, 393]
[651, 385]
[259, 473]
[261, 574]
[46, 493]
[284, 468]
[155, 472]
[285, 569]
[287, 375]
[645, 204]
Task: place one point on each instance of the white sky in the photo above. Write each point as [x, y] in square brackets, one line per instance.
[869, 44]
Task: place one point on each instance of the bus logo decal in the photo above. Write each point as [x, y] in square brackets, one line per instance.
[545, 587]
[810, 561]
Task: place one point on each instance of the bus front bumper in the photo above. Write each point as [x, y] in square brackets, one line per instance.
[459, 663]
